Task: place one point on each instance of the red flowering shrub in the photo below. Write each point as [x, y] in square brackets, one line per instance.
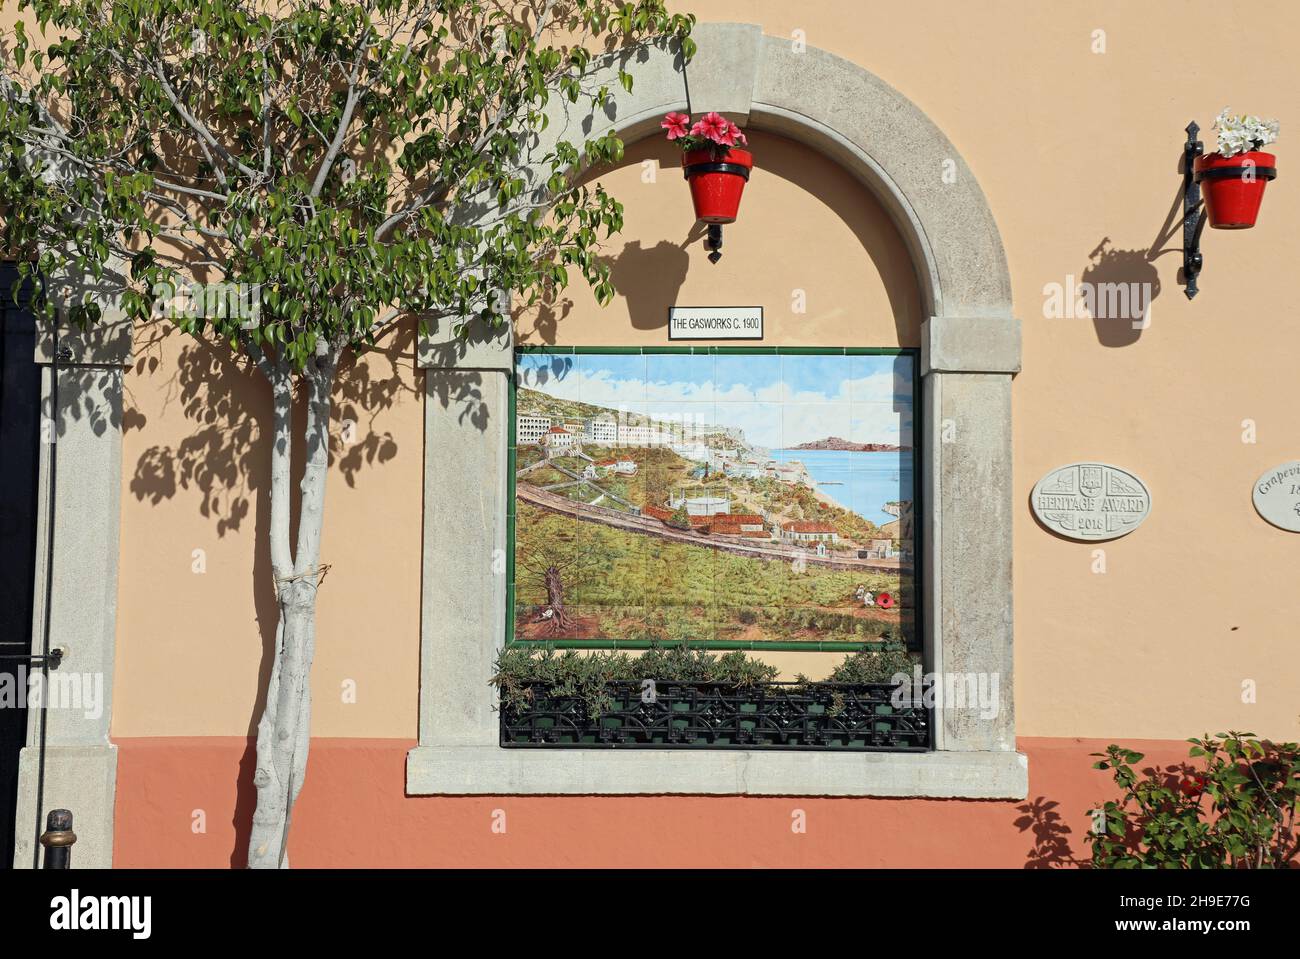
[1239, 812]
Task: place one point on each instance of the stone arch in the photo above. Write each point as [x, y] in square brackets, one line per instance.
[839, 109]
[970, 348]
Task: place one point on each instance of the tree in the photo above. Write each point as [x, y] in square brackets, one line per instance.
[680, 518]
[325, 170]
[550, 563]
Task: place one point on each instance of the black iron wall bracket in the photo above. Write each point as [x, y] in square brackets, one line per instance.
[1193, 212]
[713, 242]
[33, 659]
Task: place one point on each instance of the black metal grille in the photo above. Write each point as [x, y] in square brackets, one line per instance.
[720, 716]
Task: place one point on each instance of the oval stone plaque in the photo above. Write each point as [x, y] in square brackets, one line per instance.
[1089, 501]
[1277, 496]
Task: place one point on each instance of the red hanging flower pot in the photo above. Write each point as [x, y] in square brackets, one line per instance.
[717, 181]
[716, 168]
[1233, 187]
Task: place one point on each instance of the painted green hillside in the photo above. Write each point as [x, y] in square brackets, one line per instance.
[622, 585]
[543, 404]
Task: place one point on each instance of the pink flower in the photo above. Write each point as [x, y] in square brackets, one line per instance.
[677, 125]
[712, 126]
[737, 136]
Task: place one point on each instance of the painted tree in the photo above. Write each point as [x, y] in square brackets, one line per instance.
[550, 563]
[342, 166]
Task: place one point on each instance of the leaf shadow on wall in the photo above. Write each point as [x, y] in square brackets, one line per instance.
[1051, 849]
[546, 315]
[225, 460]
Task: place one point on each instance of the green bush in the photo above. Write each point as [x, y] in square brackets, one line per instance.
[680, 519]
[586, 676]
[1237, 812]
[571, 673]
[874, 666]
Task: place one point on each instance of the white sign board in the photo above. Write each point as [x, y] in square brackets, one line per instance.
[1090, 501]
[1277, 496]
[715, 323]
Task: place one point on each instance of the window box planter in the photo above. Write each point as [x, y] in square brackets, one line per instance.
[685, 715]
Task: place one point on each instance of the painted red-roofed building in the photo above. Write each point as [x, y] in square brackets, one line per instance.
[805, 531]
[557, 438]
[663, 515]
[749, 525]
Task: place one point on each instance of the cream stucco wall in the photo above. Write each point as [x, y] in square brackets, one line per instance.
[193, 646]
[1071, 148]
[813, 248]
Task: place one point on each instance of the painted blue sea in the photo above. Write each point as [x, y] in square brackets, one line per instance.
[862, 482]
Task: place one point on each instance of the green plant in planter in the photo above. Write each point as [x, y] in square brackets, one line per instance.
[587, 677]
[874, 666]
[1238, 812]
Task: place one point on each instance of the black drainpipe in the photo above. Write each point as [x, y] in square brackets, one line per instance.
[60, 353]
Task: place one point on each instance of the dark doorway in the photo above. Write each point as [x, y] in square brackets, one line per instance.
[20, 432]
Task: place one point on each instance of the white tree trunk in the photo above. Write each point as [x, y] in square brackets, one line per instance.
[284, 731]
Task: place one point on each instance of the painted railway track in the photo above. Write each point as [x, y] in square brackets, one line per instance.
[652, 527]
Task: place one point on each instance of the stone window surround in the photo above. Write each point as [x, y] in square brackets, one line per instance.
[77, 558]
[970, 349]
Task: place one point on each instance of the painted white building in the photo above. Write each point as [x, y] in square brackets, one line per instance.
[696, 452]
[704, 505]
[883, 549]
[557, 438]
[602, 430]
[529, 428]
[642, 436]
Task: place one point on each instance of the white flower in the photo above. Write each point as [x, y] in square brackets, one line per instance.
[1241, 134]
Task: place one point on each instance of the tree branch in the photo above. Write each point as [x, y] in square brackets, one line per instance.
[345, 121]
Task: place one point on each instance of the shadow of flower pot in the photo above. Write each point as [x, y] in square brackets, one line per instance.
[1122, 285]
[649, 278]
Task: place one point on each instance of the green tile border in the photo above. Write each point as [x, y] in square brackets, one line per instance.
[716, 350]
[782, 646]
